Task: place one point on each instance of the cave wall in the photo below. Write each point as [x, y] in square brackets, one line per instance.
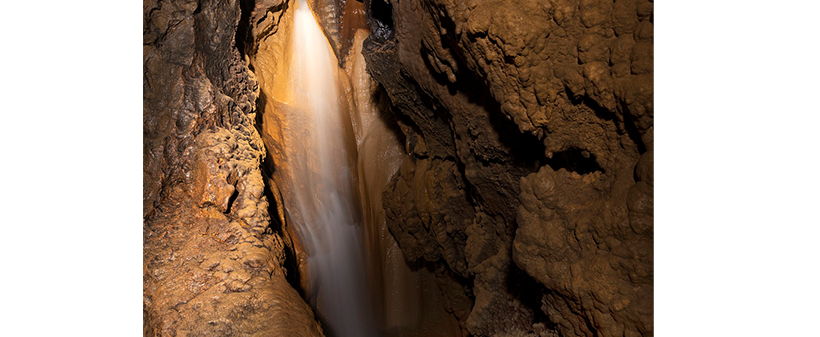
[526, 189]
[214, 264]
[529, 176]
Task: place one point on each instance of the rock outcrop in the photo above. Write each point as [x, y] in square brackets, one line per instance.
[214, 263]
[529, 128]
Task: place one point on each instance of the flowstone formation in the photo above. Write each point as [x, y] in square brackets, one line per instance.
[528, 182]
[214, 263]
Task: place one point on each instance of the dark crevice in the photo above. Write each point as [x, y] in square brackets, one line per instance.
[268, 168]
[509, 59]
[527, 290]
[275, 222]
[232, 199]
[292, 276]
[601, 112]
[575, 160]
[473, 196]
[261, 101]
[524, 149]
[633, 133]
[410, 136]
[590, 326]
[381, 20]
[244, 26]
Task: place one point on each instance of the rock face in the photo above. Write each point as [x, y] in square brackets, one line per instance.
[528, 181]
[214, 264]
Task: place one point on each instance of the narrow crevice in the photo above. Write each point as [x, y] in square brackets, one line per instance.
[292, 276]
[529, 292]
[381, 19]
[585, 100]
[232, 200]
[633, 133]
[575, 160]
[243, 28]
[268, 170]
[524, 149]
[261, 102]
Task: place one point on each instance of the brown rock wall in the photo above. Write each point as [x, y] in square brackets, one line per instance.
[213, 264]
[529, 176]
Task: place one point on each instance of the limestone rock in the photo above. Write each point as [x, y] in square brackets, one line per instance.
[529, 133]
[213, 264]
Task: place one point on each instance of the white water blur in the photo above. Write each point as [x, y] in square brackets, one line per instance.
[322, 179]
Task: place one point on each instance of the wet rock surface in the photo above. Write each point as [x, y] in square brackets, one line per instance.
[214, 265]
[528, 180]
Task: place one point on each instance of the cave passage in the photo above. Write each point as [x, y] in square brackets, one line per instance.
[389, 168]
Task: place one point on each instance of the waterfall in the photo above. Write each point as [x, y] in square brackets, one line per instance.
[324, 195]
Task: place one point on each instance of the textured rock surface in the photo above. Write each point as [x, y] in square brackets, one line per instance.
[529, 128]
[213, 264]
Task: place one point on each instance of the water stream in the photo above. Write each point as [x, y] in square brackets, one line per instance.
[325, 196]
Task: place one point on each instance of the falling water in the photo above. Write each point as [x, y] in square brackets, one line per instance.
[323, 193]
